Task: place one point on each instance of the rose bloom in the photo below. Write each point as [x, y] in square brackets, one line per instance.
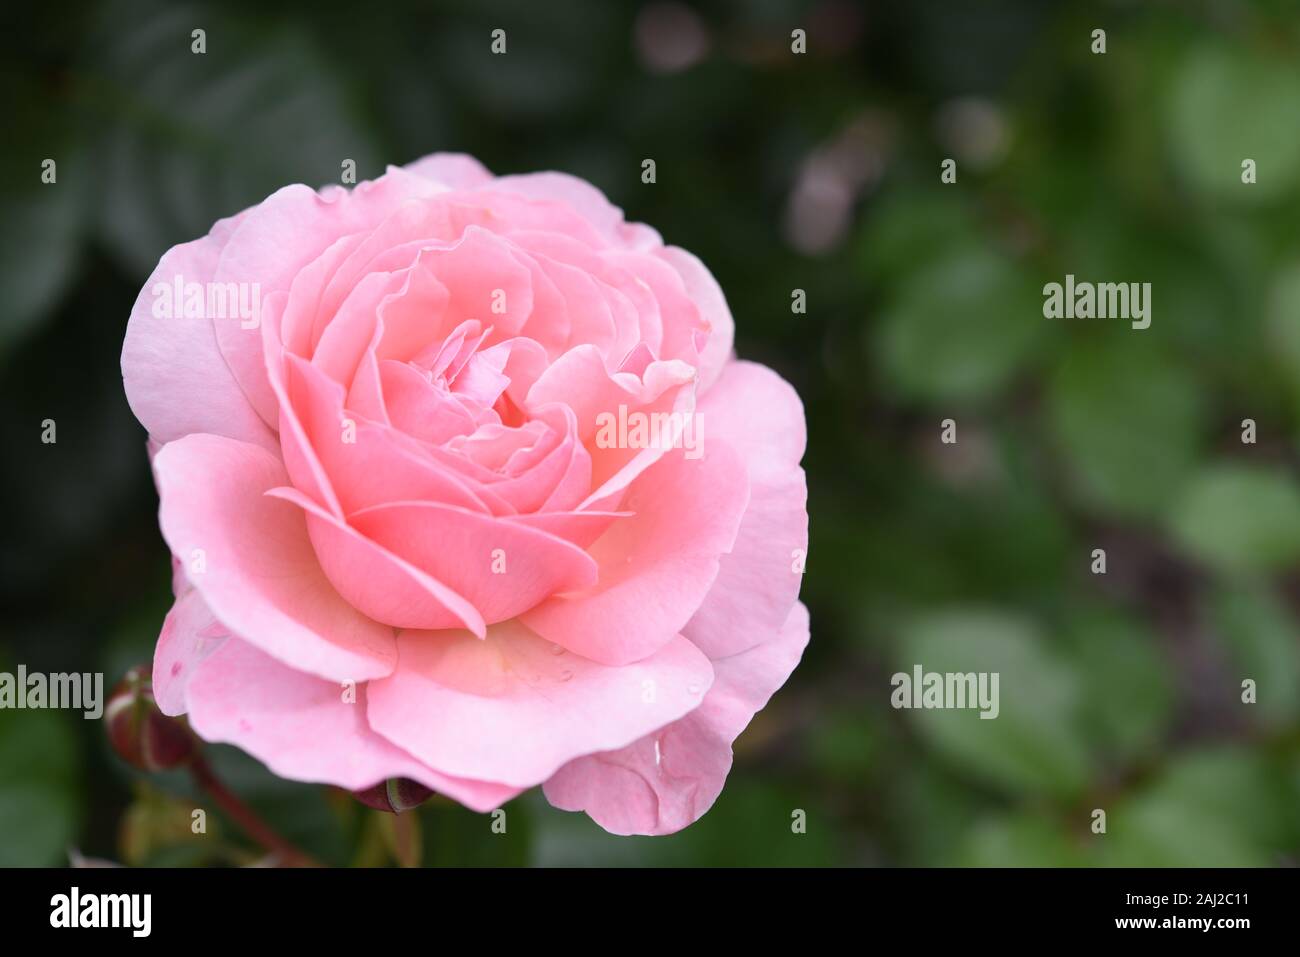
[416, 529]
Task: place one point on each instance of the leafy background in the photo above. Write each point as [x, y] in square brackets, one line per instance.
[782, 172]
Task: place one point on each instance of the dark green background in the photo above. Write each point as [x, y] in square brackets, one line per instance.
[1119, 692]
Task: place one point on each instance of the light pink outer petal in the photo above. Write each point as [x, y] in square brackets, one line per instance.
[577, 194]
[669, 779]
[758, 413]
[303, 729]
[510, 709]
[453, 170]
[656, 566]
[585, 199]
[176, 379]
[260, 574]
[189, 634]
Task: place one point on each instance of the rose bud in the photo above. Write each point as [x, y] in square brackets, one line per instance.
[142, 735]
[394, 795]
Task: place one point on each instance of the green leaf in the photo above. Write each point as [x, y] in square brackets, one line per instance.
[1222, 808]
[911, 227]
[39, 805]
[960, 327]
[929, 809]
[190, 138]
[1231, 103]
[160, 827]
[1035, 744]
[1021, 840]
[44, 224]
[1128, 696]
[1261, 637]
[1282, 323]
[40, 239]
[1240, 518]
[848, 744]
[1128, 422]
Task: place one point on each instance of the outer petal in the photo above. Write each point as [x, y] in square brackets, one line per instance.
[753, 409]
[669, 779]
[303, 728]
[189, 634]
[575, 193]
[511, 709]
[759, 414]
[176, 379]
[453, 170]
[260, 574]
[586, 199]
[657, 566]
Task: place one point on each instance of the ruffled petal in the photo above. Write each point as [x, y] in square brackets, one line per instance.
[669, 779]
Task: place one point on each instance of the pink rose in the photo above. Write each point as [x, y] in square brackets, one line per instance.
[464, 485]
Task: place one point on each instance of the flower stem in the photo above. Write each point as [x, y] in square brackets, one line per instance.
[247, 818]
[406, 838]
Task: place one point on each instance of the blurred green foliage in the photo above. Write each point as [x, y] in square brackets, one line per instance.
[1119, 692]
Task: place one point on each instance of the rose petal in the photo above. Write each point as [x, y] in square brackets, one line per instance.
[176, 379]
[452, 170]
[754, 410]
[707, 295]
[280, 237]
[501, 568]
[303, 729]
[189, 634]
[260, 575]
[376, 582]
[510, 709]
[670, 778]
[366, 463]
[656, 566]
